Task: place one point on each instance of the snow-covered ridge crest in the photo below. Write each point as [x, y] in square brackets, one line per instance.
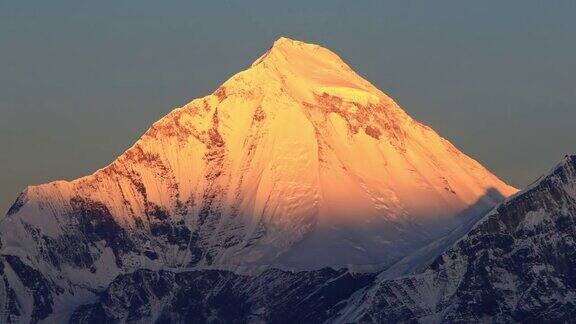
[559, 181]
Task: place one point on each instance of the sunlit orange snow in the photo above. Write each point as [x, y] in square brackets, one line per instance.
[302, 146]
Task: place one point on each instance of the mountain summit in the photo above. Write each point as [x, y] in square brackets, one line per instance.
[296, 162]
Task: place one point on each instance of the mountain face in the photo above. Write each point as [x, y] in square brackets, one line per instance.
[518, 264]
[296, 163]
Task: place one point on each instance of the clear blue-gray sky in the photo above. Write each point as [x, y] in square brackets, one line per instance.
[80, 81]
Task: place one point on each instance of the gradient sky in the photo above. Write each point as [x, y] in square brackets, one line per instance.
[80, 81]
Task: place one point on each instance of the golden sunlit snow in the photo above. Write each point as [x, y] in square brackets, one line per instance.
[306, 162]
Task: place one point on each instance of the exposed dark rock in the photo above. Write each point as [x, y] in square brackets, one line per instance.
[36, 285]
[212, 296]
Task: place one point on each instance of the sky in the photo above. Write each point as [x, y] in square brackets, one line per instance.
[80, 81]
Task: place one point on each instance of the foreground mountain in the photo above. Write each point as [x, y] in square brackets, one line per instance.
[295, 163]
[518, 264]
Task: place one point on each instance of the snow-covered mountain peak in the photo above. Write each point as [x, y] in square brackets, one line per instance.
[295, 162]
[308, 70]
[286, 53]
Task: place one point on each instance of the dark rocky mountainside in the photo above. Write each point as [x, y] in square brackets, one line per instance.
[215, 296]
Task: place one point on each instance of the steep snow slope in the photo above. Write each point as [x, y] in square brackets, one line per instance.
[516, 265]
[296, 162]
